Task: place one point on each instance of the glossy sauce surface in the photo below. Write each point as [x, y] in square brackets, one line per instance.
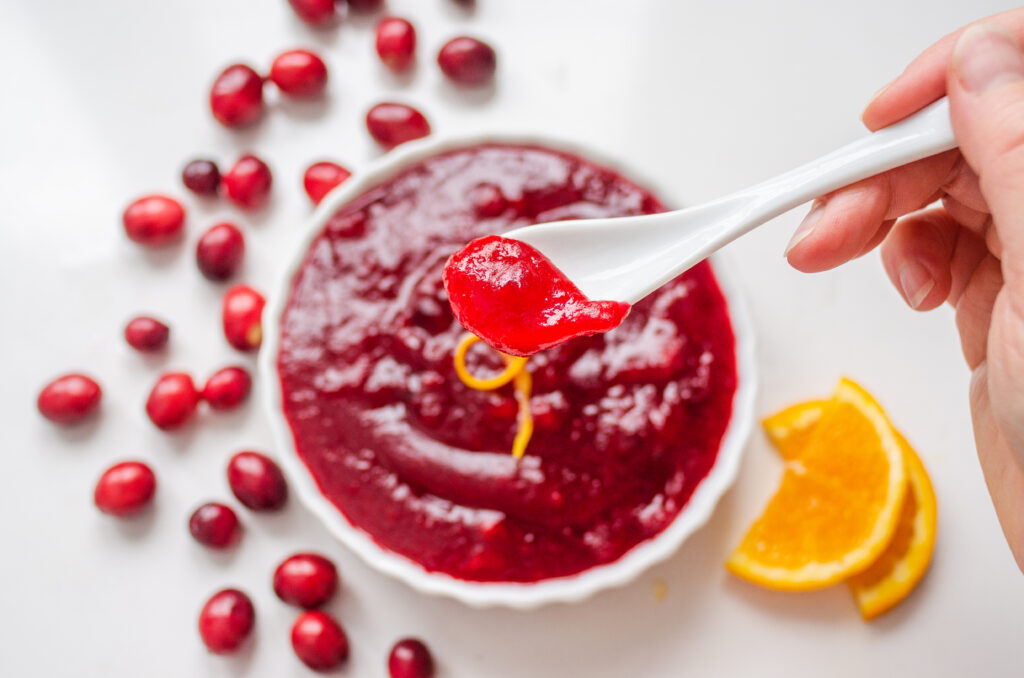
[626, 423]
[511, 296]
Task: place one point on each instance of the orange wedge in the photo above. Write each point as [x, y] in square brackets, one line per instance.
[838, 504]
[905, 560]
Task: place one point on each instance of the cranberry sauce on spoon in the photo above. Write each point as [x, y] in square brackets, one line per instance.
[626, 424]
[511, 296]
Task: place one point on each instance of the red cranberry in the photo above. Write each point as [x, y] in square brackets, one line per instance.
[314, 12]
[202, 177]
[321, 177]
[241, 317]
[247, 184]
[236, 98]
[215, 525]
[227, 388]
[366, 5]
[396, 43]
[488, 201]
[410, 658]
[319, 641]
[154, 220]
[226, 620]
[146, 334]
[299, 73]
[467, 61]
[219, 251]
[305, 579]
[69, 399]
[125, 489]
[172, 401]
[393, 124]
[257, 481]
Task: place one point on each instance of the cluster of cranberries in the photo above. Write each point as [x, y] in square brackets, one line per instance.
[236, 99]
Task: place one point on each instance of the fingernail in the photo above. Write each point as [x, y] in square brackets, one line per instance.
[916, 282]
[986, 56]
[806, 226]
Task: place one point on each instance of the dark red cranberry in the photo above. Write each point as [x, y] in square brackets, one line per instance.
[299, 73]
[226, 620]
[146, 334]
[247, 183]
[314, 12]
[236, 98]
[319, 641]
[410, 658]
[125, 489]
[488, 201]
[69, 399]
[241, 317]
[227, 388]
[396, 43]
[154, 220]
[321, 177]
[219, 251]
[202, 177]
[215, 525]
[305, 579]
[257, 481]
[467, 61]
[366, 5]
[172, 401]
[393, 124]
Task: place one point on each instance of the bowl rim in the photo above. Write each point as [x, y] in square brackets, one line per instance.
[525, 595]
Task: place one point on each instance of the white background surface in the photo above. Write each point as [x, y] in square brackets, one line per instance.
[105, 100]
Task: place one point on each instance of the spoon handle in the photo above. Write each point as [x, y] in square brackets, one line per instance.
[924, 134]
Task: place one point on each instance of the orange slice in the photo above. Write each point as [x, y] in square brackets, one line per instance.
[838, 504]
[905, 560]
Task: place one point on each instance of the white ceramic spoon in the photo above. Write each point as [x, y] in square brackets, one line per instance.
[627, 258]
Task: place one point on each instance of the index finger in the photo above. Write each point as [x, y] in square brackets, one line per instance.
[924, 79]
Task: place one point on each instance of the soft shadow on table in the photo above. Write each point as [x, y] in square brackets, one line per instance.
[465, 95]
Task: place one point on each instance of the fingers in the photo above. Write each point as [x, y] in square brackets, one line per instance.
[843, 224]
[918, 257]
[986, 88]
[924, 80]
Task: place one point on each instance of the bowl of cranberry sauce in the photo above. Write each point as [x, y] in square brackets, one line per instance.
[636, 433]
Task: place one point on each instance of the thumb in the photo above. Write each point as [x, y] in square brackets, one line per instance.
[986, 93]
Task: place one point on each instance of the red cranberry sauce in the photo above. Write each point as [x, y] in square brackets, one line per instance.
[513, 297]
[626, 423]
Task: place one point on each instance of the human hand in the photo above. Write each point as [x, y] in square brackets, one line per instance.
[970, 251]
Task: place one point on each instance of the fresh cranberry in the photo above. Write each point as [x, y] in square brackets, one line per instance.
[154, 220]
[219, 251]
[314, 12]
[366, 5]
[299, 73]
[215, 525]
[227, 388]
[257, 481]
[467, 61]
[69, 399]
[396, 43]
[247, 183]
[393, 124]
[305, 579]
[202, 177]
[146, 334]
[172, 401]
[125, 489]
[226, 620]
[241, 317]
[319, 641]
[410, 658]
[321, 177]
[236, 98]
